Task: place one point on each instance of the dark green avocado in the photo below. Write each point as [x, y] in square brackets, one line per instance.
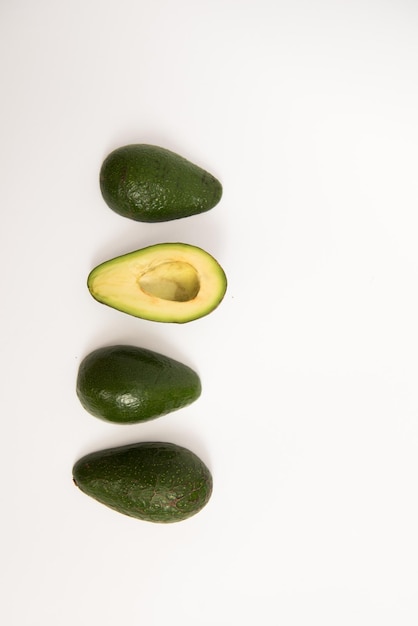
[148, 183]
[128, 384]
[152, 481]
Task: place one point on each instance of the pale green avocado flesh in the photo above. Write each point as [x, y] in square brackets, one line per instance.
[167, 282]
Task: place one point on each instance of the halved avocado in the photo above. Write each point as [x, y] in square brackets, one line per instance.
[166, 282]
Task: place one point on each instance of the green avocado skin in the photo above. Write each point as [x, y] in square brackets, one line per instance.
[127, 384]
[148, 183]
[153, 481]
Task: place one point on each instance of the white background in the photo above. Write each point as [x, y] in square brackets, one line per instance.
[307, 111]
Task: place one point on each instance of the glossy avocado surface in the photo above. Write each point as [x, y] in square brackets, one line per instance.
[127, 384]
[148, 183]
[153, 481]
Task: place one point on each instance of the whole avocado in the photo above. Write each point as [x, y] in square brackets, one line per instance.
[148, 183]
[153, 481]
[127, 384]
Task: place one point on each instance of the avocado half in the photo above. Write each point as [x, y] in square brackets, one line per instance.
[166, 282]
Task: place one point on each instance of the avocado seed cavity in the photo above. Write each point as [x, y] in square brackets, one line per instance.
[176, 281]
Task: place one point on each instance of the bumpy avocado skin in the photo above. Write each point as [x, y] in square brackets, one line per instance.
[128, 384]
[153, 481]
[148, 183]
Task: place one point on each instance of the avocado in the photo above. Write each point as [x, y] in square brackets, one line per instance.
[166, 282]
[148, 183]
[153, 481]
[127, 384]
